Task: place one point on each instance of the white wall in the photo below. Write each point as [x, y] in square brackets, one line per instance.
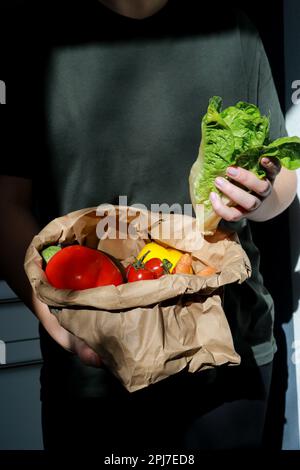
[292, 73]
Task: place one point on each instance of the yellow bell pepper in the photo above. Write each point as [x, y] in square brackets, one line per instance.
[158, 251]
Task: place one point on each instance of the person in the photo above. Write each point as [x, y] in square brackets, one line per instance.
[115, 91]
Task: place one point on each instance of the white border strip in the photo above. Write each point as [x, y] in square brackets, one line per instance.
[296, 361]
[296, 316]
[293, 128]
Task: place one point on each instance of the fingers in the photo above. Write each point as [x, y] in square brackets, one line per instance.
[244, 189]
[248, 180]
[271, 166]
[63, 337]
[231, 214]
[77, 346]
[86, 354]
[239, 196]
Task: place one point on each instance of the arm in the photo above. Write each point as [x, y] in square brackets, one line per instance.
[18, 229]
[262, 204]
[282, 195]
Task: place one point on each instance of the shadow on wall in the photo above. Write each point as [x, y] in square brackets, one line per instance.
[295, 249]
[279, 239]
[293, 128]
[279, 244]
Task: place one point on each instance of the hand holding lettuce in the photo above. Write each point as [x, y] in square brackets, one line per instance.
[235, 136]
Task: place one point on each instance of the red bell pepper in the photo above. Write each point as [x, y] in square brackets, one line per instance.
[78, 267]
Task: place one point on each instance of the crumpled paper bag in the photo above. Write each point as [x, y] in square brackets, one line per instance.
[147, 330]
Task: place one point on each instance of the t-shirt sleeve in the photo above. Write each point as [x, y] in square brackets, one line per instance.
[267, 98]
[261, 87]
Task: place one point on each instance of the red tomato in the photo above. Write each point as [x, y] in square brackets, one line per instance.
[156, 266]
[78, 267]
[140, 274]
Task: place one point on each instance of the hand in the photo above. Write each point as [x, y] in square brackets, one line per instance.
[63, 337]
[86, 354]
[247, 198]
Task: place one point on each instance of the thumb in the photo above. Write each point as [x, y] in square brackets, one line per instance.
[86, 354]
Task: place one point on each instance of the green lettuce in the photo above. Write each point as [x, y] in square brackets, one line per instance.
[238, 136]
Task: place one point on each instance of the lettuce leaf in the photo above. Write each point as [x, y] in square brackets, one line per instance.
[238, 136]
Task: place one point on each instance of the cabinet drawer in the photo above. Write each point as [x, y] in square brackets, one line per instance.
[19, 336]
[17, 322]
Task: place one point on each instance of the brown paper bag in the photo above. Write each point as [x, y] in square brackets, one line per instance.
[147, 330]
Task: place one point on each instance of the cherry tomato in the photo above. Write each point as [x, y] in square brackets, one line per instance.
[139, 274]
[79, 267]
[154, 250]
[156, 266]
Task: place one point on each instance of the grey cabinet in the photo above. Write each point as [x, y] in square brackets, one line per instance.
[20, 362]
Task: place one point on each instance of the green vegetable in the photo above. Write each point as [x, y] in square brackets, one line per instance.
[235, 136]
[50, 251]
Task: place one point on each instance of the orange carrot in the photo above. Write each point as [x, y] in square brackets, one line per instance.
[207, 271]
[184, 265]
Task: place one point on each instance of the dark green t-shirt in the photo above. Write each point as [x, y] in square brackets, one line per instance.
[115, 109]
